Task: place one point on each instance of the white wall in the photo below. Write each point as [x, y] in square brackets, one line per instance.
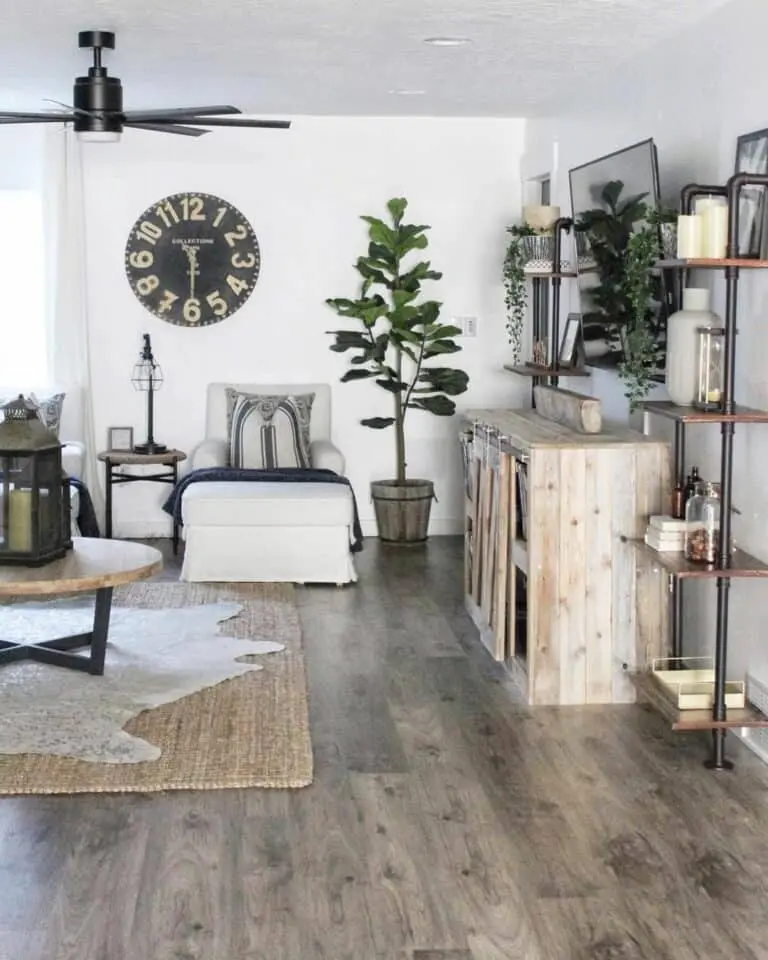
[694, 95]
[304, 191]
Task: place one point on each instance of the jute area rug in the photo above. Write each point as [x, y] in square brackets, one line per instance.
[251, 731]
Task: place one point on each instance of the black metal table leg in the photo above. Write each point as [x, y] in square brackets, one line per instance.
[108, 500]
[55, 652]
[100, 630]
[175, 522]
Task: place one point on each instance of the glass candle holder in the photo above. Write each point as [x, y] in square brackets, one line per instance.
[711, 356]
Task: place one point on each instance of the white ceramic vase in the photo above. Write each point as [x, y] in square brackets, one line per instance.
[682, 368]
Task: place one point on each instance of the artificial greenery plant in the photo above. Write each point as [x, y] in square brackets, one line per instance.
[624, 247]
[515, 290]
[398, 333]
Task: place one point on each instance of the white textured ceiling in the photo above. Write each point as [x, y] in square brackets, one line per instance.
[333, 56]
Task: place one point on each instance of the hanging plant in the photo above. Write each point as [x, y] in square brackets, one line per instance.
[641, 353]
[515, 292]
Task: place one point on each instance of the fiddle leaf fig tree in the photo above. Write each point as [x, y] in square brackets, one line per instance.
[398, 333]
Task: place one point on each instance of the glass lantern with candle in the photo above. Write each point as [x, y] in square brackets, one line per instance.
[34, 492]
[711, 355]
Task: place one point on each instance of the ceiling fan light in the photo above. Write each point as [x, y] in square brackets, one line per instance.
[98, 136]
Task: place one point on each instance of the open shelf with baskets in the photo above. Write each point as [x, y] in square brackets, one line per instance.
[729, 565]
[546, 319]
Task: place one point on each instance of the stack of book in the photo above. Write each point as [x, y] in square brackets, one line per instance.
[666, 534]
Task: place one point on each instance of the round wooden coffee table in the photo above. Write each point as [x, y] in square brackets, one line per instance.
[91, 565]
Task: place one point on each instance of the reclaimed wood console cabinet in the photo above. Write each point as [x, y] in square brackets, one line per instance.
[551, 580]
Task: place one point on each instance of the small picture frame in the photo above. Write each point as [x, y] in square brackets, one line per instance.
[569, 346]
[120, 439]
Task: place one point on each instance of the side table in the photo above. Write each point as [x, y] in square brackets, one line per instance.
[120, 458]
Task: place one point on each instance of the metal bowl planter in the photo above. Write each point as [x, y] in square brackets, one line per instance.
[668, 240]
[539, 252]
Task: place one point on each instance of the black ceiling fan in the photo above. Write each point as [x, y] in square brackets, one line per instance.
[97, 113]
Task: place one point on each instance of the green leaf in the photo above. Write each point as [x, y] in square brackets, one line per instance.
[378, 423]
[397, 207]
[443, 332]
[438, 405]
[445, 380]
[393, 386]
[381, 234]
[437, 347]
[351, 375]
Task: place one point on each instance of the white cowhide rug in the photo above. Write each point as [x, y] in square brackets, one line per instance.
[153, 657]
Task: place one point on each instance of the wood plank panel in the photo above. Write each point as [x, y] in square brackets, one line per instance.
[572, 577]
[543, 593]
[505, 487]
[599, 578]
[623, 613]
[652, 598]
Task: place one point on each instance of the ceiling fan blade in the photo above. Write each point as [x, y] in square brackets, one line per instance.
[237, 122]
[7, 116]
[167, 128]
[179, 113]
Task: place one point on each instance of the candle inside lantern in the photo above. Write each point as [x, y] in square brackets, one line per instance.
[20, 521]
[689, 236]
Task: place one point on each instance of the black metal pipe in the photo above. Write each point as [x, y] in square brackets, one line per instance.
[562, 225]
[718, 761]
[680, 452]
[677, 619]
[693, 190]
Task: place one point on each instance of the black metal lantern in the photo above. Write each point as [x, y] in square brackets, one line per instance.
[34, 492]
[148, 377]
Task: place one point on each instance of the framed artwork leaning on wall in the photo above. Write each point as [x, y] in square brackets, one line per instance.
[752, 157]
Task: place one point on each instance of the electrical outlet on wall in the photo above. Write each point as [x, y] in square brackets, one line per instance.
[467, 325]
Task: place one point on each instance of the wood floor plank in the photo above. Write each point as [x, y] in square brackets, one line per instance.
[447, 820]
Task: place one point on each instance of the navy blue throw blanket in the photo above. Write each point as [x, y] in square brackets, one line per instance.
[86, 515]
[172, 505]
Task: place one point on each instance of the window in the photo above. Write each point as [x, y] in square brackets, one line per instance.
[23, 359]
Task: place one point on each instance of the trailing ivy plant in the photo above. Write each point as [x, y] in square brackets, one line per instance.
[641, 353]
[398, 333]
[515, 291]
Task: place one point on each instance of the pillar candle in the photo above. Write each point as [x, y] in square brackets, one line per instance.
[689, 236]
[20, 520]
[715, 231]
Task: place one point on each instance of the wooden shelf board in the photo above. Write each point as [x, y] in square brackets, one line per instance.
[542, 274]
[531, 370]
[650, 692]
[742, 564]
[665, 408]
[711, 264]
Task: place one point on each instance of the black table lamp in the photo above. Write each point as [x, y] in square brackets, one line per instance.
[148, 376]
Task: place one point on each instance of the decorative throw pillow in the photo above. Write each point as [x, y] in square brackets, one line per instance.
[49, 410]
[270, 432]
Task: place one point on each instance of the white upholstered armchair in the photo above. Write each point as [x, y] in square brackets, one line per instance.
[268, 530]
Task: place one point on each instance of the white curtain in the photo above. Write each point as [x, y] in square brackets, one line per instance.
[67, 334]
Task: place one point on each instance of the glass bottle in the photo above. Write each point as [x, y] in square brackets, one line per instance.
[702, 515]
[691, 482]
[709, 394]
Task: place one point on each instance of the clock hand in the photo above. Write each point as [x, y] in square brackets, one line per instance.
[194, 270]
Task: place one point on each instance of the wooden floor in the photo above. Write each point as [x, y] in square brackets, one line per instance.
[446, 822]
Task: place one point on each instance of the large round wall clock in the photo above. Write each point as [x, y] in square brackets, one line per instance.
[192, 259]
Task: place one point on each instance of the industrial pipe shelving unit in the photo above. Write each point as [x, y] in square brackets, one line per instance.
[548, 327]
[729, 564]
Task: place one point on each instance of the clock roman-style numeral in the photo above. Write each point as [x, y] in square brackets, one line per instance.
[141, 259]
[167, 302]
[166, 208]
[239, 233]
[240, 262]
[217, 303]
[149, 231]
[236, 285]
[146, 285]
[192, 208]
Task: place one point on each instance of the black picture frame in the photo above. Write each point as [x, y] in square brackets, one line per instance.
[752, 157]
[569, 345]
[120, 439]
[637, 168]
